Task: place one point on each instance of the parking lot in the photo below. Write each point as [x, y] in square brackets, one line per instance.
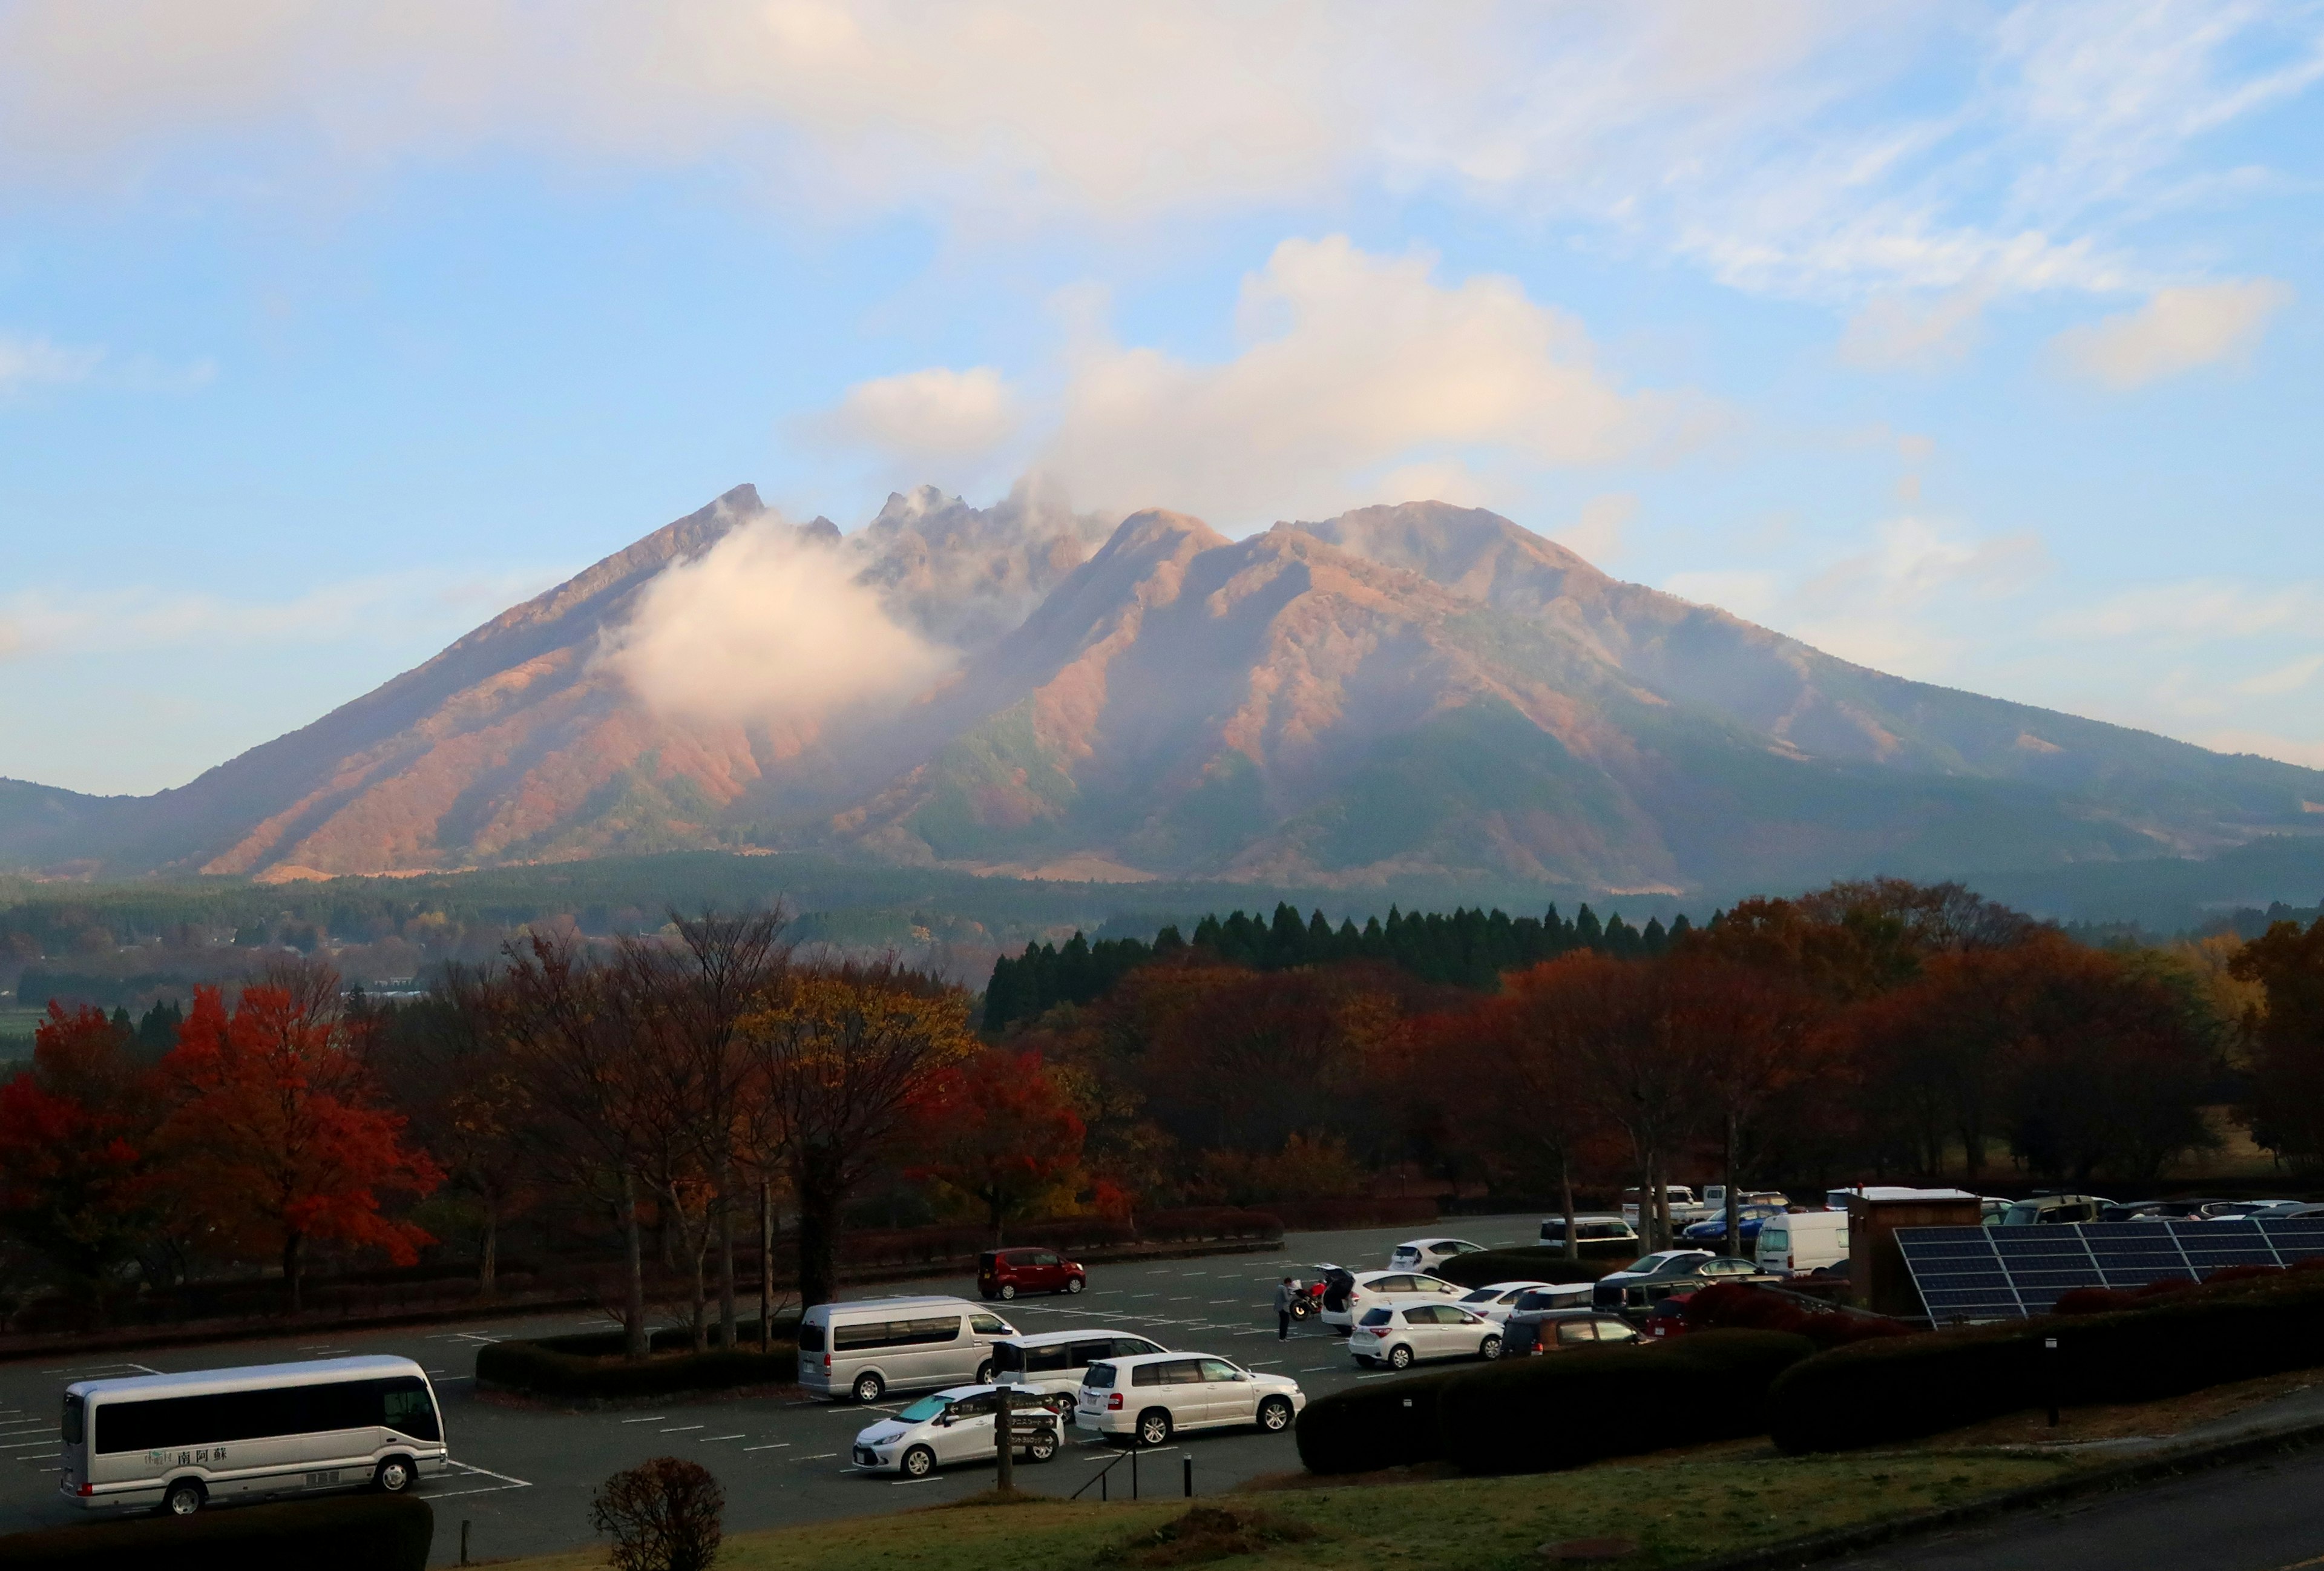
[526, 1472]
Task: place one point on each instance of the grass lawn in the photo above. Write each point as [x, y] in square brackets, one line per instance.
[1676, 1508]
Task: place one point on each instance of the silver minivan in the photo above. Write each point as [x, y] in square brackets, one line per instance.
[1056, 1361]
[873, 1346]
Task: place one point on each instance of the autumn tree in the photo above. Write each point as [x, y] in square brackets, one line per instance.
[997, 1128]
[279, 1138]
[1749, 1034]
[846, 1053]
[79, 1178]
[2287, 1037]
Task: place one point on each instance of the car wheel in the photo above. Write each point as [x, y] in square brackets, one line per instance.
[1399, 1358]
[1076, 1284]
[870, 1388]
[185, 1498]
[1154, 1427]
[918, 1462]
[984, 1372]
[1043, 1446]
[1275, 1415]
[1491, 1347]
[1008, 1291]
[395, 1475]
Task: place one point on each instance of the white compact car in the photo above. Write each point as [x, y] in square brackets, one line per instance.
[956, 1426]
[1149, 1399]
[1401, 1334]
[1426, 1253]
[1497, 1300]
[1347, 1294]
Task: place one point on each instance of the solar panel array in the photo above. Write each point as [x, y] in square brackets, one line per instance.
[1993, 1273]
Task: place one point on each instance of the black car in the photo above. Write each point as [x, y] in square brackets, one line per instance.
[1529, 1332]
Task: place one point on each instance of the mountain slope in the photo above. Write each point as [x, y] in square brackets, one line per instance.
[1419, 690]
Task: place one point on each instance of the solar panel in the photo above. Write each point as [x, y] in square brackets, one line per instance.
[1977, 1273]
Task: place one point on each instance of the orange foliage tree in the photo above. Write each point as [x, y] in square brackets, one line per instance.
[999, 1128]
[77, 1158]
[279, 1138]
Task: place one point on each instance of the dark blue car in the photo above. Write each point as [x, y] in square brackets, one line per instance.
[1746, 1226]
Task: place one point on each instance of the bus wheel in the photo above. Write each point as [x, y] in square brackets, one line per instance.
[394, 1475]
[185, 1498]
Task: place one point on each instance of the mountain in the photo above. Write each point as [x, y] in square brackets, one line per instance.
[1418, 690]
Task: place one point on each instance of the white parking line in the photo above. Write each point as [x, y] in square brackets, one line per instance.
[28, 1445]
[818, 1457]
[683, 1429]
[93, 1368]
[707, 1439]
[770, 1446]
[657, 1419]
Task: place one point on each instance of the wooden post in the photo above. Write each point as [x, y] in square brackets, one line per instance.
[1004, 1438]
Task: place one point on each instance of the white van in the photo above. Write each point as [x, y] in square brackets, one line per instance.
[1684, 1206]
[179, 1441]
[1800, 1242]
[875, 1345]
[1056, 1361]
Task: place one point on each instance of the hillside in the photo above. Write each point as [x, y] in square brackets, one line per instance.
[1411, 691]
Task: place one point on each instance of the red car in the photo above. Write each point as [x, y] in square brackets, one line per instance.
[1003, 1273]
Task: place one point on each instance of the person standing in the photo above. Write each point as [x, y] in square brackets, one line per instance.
[1283, 1310]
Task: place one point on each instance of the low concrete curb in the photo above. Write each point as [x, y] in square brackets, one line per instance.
[2149, 1469]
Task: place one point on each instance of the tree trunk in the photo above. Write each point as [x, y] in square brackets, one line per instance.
[1565, 1197]
[488, 1255]
[821, 1193]
[1734, 1196]
[634, 1347]
[291, 1264]
[1662, 1230]
[700, 1324]
[766, 1263]
[726, 1258]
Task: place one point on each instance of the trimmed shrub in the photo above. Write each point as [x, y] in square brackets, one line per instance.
[1537, 1415]
[1878, 1392]
[1740, 1306]
[592, 1367]
[665, 1515]
[1544, 1265]
[359, 1532]
[1388, 1424]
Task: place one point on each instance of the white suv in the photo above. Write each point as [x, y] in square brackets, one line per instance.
[1347, 1294]
[1152, 1397]
[1397, 1334]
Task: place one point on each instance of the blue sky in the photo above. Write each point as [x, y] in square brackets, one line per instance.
[1980, 343]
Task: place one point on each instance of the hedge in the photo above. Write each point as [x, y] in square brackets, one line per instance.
[1878, 1392]
[1546, 1264]
[1534, 1415]
[592, 1366]
[1563, 1409]
[1369, 1426]
[360, 1532]
[1742, 1305]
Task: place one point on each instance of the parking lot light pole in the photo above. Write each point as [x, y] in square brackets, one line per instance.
[2049, 1368]
[1190, 1477]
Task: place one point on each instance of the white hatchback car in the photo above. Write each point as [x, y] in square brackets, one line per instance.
[1497, 1300]
[956, 1426]
[1426, 1253]
[1401, 1334]
[1347, 1294]
[1152, 1397]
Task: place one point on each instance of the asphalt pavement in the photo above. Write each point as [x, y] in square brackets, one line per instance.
[526, 1471]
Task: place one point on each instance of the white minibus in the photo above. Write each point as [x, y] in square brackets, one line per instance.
[179, 1441]
[875, 1345]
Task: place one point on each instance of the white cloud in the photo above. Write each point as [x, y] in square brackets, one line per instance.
[2177, 330]
[1351, 365]
[2307, 751]
[55, 620]
[765, 627]
[1595, 536]
[923, 416]
[1823, 147]
[2284, 678]
[1915, 333]
[28, 363]
[2195, 609]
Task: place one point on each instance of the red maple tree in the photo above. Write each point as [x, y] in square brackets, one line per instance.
[278, 1138]
[1000, 1129]
[77, 1159]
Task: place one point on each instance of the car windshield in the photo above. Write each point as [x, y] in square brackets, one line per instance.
[1482, 1296]
[1099, 1377]
[926, 1407]
[2023, 1214]
[1378, 1317]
